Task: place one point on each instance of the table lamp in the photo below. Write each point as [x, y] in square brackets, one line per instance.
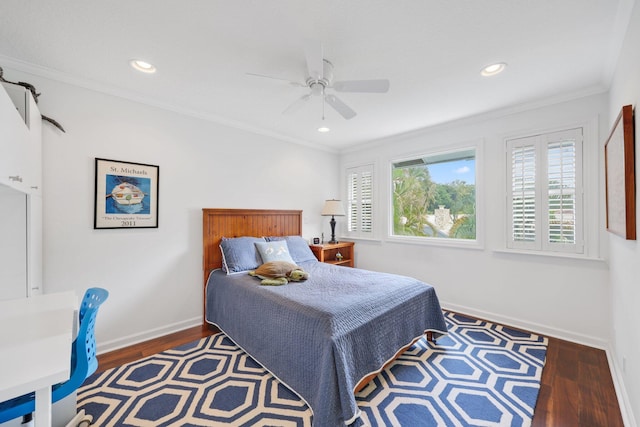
[333, 208]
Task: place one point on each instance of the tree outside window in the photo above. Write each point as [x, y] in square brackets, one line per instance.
[434, 196]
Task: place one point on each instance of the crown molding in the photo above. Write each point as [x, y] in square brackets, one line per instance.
[74, 80]
[482, 117]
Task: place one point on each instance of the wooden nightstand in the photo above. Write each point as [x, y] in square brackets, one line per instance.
[327, 253]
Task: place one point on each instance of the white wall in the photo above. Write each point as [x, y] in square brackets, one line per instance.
[154, 276]
[625, 254]
[566, 298]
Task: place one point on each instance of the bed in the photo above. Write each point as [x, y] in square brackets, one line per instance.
[320, 337]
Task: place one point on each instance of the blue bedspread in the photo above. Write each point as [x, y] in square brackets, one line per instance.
[321, 336]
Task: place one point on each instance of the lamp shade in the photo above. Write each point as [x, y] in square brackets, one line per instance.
[333, 208]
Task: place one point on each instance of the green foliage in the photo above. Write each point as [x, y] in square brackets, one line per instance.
[415, 196]
[458, 196]
[464, 228]
[413, 191]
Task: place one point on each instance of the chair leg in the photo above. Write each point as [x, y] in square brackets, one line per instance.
[81, 419]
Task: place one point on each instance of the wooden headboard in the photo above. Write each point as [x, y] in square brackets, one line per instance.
[218, 223]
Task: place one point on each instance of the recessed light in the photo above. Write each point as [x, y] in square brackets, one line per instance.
[493, 69]
[323, 129]
[143, 66]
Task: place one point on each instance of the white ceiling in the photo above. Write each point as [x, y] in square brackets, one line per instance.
[432, 52]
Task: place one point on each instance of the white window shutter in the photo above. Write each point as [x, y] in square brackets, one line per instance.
[564, 191]
[352, 200]
[544, 192]
[366, 200]
[522, 195]
[360, 201]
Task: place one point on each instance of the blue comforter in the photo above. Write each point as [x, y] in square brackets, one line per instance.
[321, 336]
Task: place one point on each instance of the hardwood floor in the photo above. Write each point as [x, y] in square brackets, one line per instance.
[576, 388]
[116, 358]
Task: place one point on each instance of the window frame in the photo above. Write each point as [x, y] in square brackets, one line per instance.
[541, 141]
[478, 242]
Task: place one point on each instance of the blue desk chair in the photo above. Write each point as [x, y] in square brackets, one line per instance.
[83, 360]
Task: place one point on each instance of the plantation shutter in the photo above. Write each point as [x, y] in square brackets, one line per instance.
[564, 191]
[366, 200]
[523, 200]
[545, 192]
[352, 179]
[360, 201]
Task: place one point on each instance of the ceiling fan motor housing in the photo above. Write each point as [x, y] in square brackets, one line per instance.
[318, 86]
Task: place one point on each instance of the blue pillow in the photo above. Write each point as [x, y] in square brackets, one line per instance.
[298, 248]
[239, 254]
[274, 251]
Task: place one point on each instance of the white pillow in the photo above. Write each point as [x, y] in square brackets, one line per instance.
[274, 251]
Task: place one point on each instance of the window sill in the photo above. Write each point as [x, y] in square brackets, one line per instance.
[359, 239]
[447, 243]
[474, 245]
[563, 255]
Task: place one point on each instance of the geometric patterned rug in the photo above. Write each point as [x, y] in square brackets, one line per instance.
[480, 374]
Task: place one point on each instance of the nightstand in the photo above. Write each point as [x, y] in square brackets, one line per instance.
[327, 253]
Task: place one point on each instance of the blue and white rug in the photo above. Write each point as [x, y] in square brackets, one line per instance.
[480, 374]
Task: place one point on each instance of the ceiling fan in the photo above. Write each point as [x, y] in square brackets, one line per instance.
[320, 79]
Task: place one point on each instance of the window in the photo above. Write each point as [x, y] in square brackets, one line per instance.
[544, 188]
[434, 196]
[360, 201]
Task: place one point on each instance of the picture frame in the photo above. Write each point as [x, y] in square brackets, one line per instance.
[126, 194]
[619, 157]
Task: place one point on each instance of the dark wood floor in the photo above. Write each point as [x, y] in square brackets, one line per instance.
[576, 387]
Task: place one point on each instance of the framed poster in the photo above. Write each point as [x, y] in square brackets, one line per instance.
[126, 195]
[620, 177]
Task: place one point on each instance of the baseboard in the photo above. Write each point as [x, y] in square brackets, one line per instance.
[621, 391]
[105, 347]
[529, 326]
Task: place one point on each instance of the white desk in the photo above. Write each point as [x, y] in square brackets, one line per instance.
[36, 334]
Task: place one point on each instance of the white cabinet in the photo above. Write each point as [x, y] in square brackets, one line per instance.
[13, 244]
[34, 244]
[20, 193]
[20, 140]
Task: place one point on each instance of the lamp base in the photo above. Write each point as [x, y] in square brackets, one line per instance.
[333, 230]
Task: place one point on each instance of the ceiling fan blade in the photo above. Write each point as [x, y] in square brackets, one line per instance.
[343, 109]
[314, 56]
[276, 78]
[370, 86]
[297, 104]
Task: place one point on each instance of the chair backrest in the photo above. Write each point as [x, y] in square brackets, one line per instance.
[83, 353]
